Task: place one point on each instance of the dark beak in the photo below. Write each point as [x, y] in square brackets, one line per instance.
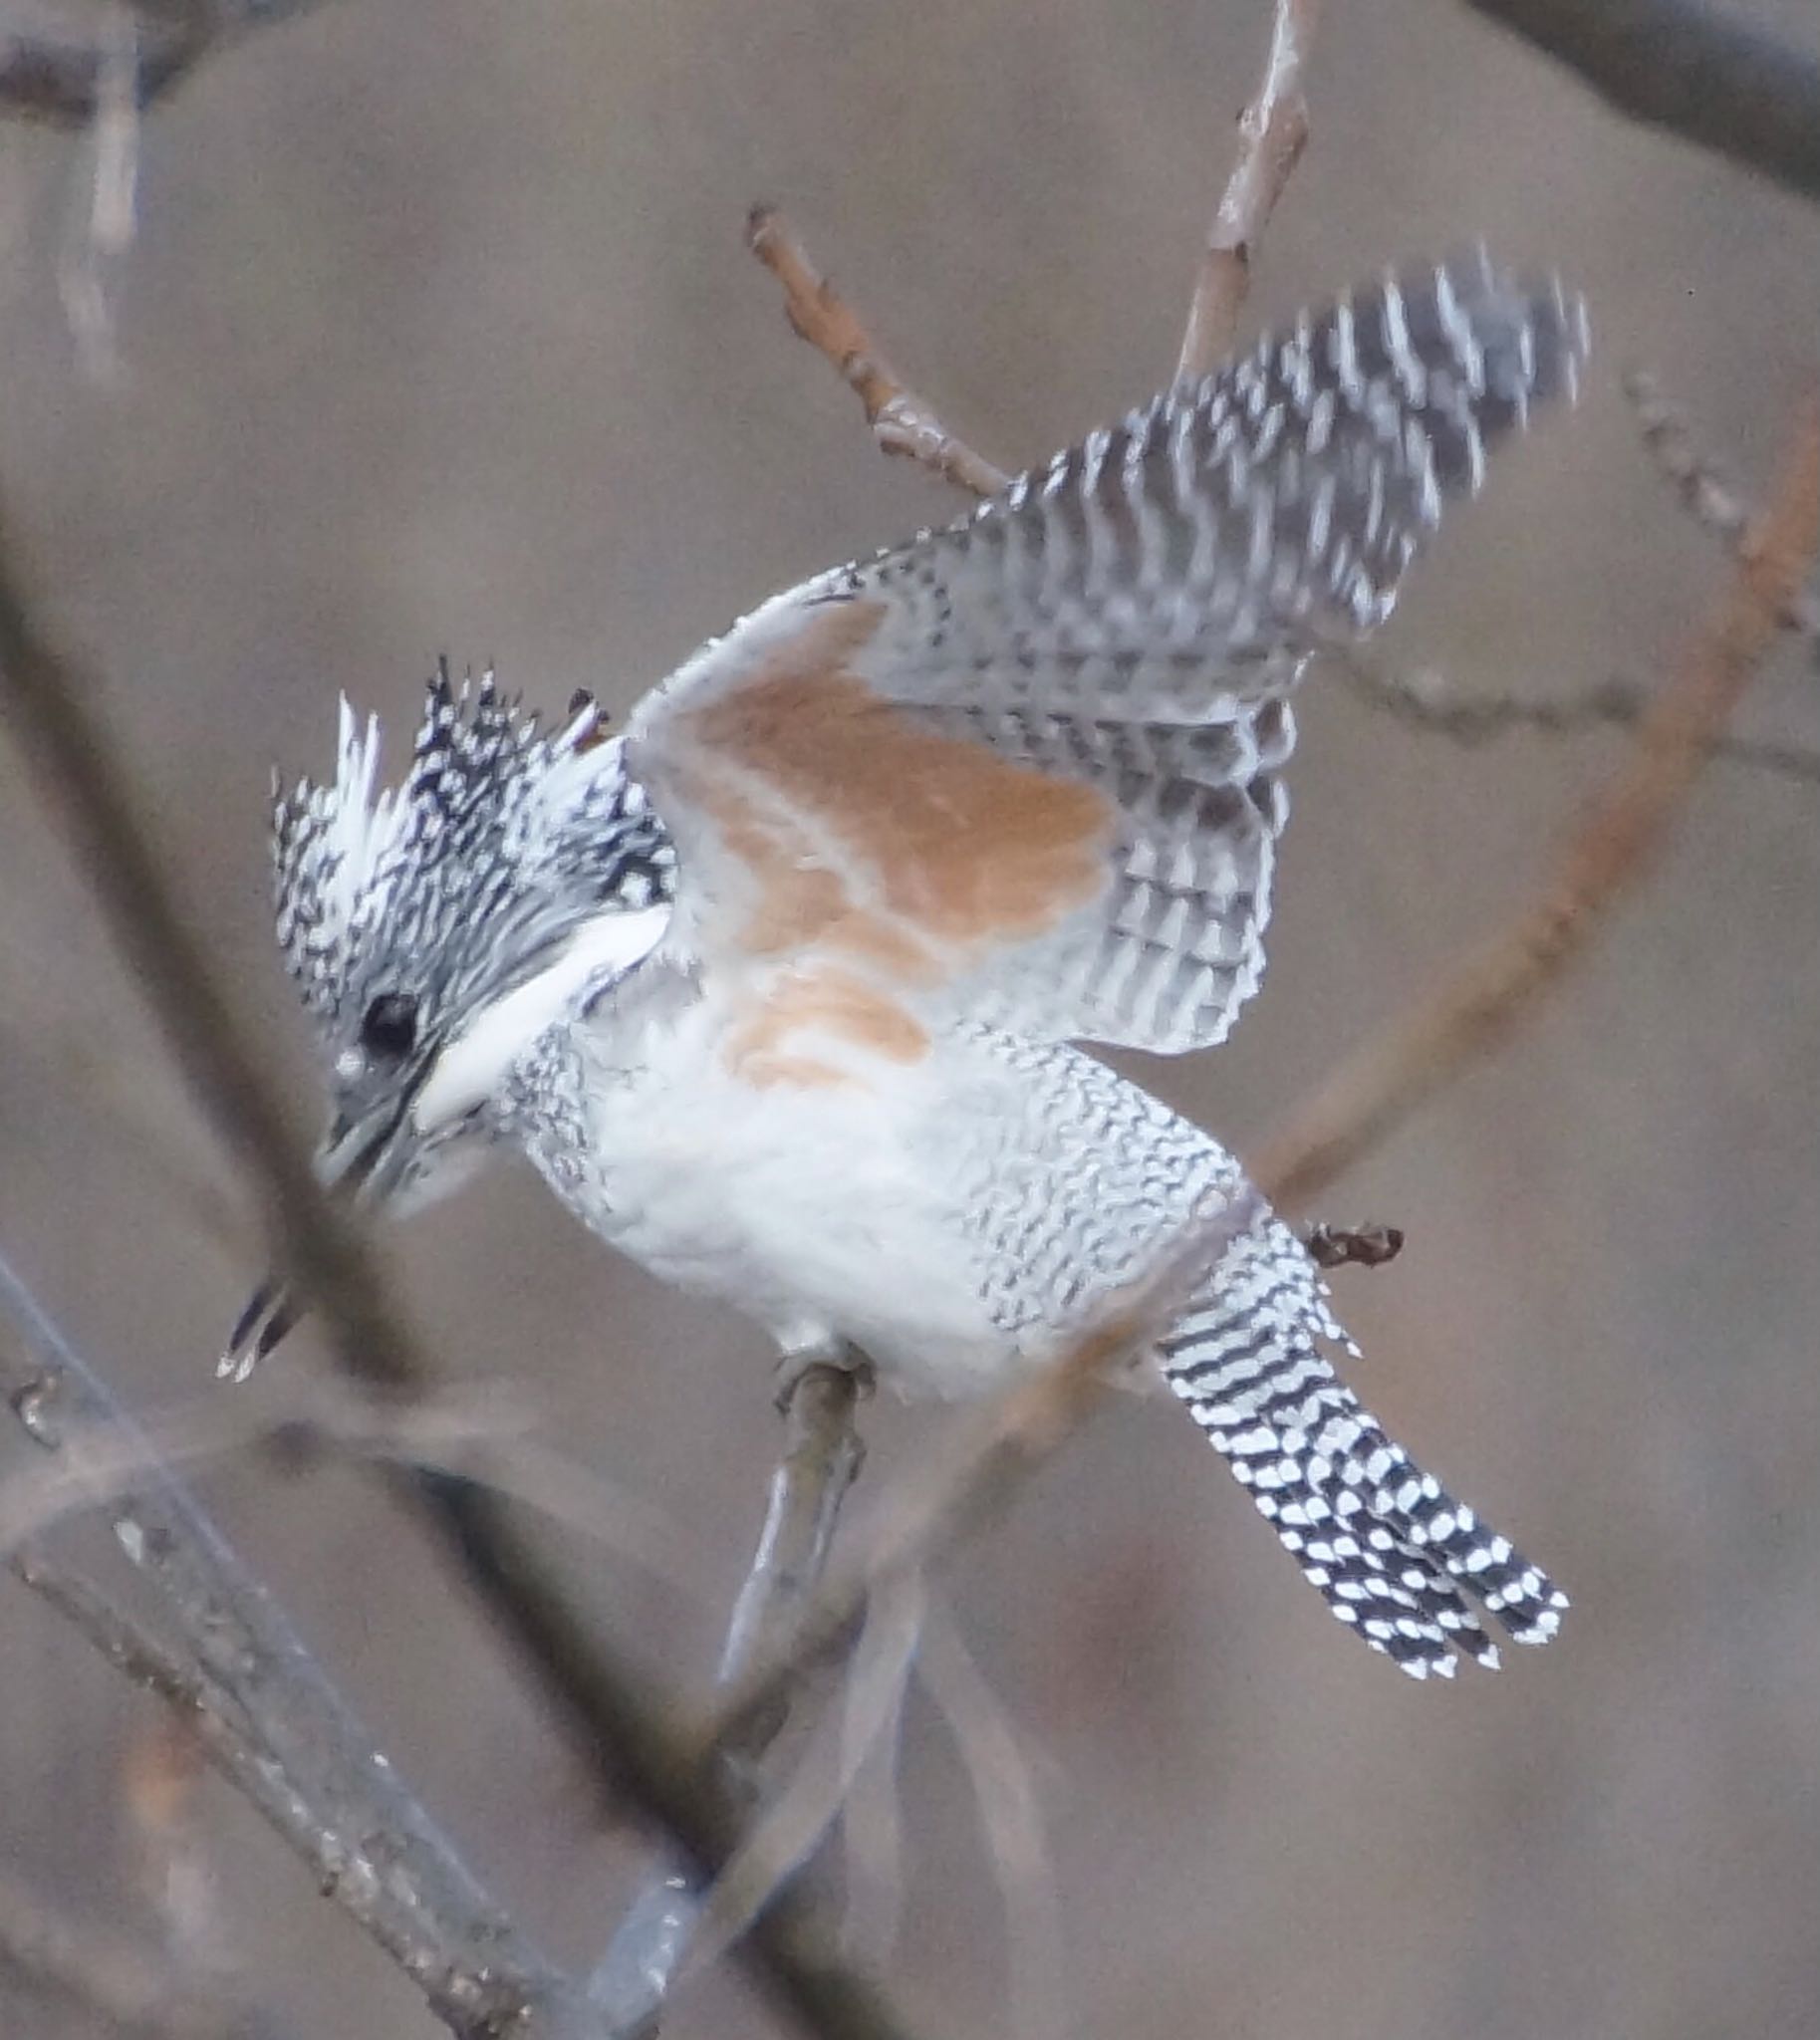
[270, 1313]
[361, 1158]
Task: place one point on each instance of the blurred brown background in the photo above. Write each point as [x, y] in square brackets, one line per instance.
[437, 334]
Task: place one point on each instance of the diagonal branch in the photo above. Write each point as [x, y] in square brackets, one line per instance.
[1272, 132]
[1424, 700]
[900, 420]
[617, 1726]
[1477, 1004]
[1706, 74]
[265, 1709]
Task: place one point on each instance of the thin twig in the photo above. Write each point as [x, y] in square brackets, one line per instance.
[1011, 1816]
[110, 1973]
[1272, 132]
[294, 1739]
[1701, 71]
[1424, 700]
[796, 1819]
[355, 1871]
[1706, 492]
[901, 421]
[1479, 1001]
[821, 1457]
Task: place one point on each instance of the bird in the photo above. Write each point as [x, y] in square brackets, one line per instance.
[791, 990]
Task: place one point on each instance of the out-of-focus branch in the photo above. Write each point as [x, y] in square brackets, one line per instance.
[1424, 700]
[65, 82]
[618, 1728]
[1605, 855]
[986, 1460]
[264, 1709]
[900, 420]
[110, 1973]
[795, 1820]
[1272, 132]
[1699, 71]
[1706, 492]
[821, 1457]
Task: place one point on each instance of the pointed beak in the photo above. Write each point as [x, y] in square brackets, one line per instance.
[361, 1160]
[270, 1313]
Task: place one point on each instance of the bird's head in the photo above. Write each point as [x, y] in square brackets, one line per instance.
[439, 929]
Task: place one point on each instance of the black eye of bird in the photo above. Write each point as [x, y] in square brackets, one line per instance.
[388, 1027]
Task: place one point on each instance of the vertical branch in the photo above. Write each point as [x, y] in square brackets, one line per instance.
[821, 1457]
[1272, 132]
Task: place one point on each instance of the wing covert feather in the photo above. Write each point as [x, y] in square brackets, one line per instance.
[1026, 769]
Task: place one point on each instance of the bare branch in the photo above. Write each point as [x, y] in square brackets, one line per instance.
[900, 420]
[796, 1820]
[1706, 492]
[986, 1457]
[108, 1972]
[617, 1729]
[1481, 1000]
[264, 1709]
[821, 1457]
[1699, 72]
[64, 83]
[1424, 700]
[1272, 132]
[1012, 1812]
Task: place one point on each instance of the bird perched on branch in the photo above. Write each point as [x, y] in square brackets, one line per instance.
[780, 990]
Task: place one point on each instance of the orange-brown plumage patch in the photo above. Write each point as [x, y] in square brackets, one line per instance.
[949, 847]
[829, 1002]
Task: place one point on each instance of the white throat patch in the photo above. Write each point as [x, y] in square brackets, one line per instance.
[473, 1067]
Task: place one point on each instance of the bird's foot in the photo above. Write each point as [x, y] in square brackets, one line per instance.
[801, 1360]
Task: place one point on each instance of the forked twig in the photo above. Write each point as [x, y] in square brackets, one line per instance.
[263, 1707]
[46, 79]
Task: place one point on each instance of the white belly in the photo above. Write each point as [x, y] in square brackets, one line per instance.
[804, 1206]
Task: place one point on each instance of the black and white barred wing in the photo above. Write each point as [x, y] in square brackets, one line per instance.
[1025, 769]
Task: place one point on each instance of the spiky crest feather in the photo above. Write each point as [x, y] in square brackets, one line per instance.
[501, 841]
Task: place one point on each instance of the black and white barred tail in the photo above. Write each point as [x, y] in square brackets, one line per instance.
[1396, 1556]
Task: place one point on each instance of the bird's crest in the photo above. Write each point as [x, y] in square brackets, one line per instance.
[501, 841]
